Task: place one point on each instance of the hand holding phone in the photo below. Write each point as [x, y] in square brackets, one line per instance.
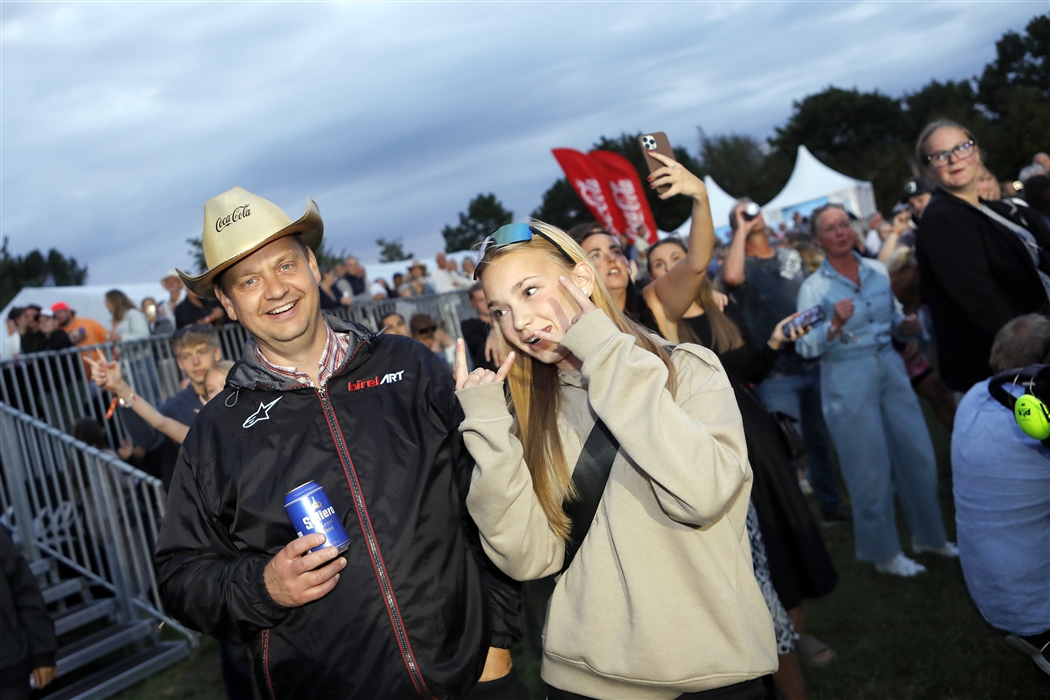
[807, 318]
[656, 142]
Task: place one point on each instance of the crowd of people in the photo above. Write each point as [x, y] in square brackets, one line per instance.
[624, 438]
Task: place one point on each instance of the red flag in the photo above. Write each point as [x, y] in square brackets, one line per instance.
[588, 179]
[627, 194]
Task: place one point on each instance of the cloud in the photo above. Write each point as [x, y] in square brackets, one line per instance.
[120, 120]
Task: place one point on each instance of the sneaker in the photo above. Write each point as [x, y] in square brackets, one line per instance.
[1041, 657]
[839, 514]
[949, 550]
[900, 565]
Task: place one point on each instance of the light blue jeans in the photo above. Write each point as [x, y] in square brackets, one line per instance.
[882, 441]
[798, 395]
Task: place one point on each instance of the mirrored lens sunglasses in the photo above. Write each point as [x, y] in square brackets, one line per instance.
[514, 233]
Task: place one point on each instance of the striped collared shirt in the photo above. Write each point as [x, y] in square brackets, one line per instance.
[336, 348]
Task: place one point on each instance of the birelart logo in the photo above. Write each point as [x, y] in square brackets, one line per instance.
[386, 379]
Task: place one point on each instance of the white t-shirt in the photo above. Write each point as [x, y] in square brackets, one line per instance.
[11, 346]
[873, 242]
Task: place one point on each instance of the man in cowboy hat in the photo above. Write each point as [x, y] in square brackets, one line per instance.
[412, 606]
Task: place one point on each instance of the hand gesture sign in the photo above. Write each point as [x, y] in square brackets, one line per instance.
[676, 177]
[583, 301]
[105, 373]
[465, 379]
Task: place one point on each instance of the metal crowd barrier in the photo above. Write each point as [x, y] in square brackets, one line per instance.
[84, 508]
[55, 386]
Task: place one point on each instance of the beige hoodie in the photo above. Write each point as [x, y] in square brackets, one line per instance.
[661, 598]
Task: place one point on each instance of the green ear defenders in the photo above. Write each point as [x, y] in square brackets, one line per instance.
[1030, 411]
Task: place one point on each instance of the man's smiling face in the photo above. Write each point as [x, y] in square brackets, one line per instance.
[273, 293]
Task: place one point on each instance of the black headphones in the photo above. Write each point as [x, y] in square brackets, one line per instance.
[1030, 411]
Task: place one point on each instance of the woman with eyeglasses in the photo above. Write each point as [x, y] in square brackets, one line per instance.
[621, 464]
[981, 263]
[868, 403]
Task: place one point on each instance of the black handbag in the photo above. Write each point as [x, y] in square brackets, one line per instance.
[796, 446]
[589, 479]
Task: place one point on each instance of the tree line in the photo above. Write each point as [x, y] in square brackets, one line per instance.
[866, 135]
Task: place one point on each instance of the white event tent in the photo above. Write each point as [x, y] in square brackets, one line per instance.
[813, 184]
[721, 204]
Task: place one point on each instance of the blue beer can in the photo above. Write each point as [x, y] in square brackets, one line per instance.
[310, 511]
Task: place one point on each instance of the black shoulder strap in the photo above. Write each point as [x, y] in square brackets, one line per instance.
[589, 479]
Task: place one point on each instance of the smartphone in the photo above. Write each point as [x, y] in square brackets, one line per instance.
[805, 319]
[656, 142]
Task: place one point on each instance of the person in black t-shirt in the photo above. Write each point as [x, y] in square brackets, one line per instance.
[196, 310]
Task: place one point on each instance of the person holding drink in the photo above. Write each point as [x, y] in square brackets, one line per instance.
[412, 607]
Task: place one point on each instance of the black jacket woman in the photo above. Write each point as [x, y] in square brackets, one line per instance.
[978, 269]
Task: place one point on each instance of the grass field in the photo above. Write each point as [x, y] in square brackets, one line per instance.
[897, 639]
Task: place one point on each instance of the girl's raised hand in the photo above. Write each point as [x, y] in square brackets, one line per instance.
[465, 379]
[679, 179]
[582, 299]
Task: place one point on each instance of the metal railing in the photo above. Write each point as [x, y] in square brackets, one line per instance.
[85, 508]
[55, 386]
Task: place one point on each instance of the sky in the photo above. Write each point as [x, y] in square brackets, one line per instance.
[119, 120]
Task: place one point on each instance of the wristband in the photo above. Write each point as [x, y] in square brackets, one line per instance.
[129, 403]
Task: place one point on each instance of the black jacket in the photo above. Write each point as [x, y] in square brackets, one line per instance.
[27, 634]
[417, 605]
[975, 276]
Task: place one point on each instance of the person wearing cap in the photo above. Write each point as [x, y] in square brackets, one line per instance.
[172, 284]
[413, 607]
[54, 339]
[418, 283]
[917, 193]
[82, 331]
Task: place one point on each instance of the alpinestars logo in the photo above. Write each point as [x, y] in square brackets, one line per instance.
[386, 379]
[262, 414]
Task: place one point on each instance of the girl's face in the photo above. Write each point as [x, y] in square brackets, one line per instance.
[956, 173]
[525, 296]
[607, 255]
[663, 258]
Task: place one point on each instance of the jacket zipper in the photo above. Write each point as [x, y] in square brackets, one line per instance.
[373, 545]
[266, 662]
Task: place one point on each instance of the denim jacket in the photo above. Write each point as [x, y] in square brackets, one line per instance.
[876, 313]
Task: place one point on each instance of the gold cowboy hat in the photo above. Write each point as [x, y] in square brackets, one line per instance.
[237, 223]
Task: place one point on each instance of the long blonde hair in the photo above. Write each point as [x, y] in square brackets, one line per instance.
[534, 387]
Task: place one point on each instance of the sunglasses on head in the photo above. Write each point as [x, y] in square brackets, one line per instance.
[514, 233]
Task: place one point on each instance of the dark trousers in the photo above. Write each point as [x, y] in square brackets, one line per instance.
[236, 672]
[509, 687]
[756, 689]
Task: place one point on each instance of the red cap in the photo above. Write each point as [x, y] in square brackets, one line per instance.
[60, 306]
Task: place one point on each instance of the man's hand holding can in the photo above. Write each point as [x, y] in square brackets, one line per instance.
[293, 578]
